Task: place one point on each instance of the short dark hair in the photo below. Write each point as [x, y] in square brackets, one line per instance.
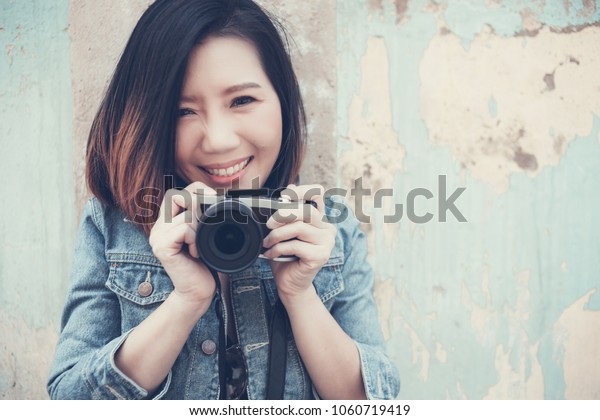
[131, 145]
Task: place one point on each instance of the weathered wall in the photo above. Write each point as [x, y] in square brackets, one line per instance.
[37, 214]
[501, 97]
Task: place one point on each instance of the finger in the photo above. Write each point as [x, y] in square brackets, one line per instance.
[197, 190]
[164, 229]
[174, 202]
[299, 230]
[189, 238]
[170, 242]
[302, 212]
[177, 200]
[168, 208]
[193, 249]
[311, 192]
[313, 255]
[185, 217]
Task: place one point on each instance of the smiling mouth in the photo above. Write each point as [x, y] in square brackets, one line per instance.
[232, 170]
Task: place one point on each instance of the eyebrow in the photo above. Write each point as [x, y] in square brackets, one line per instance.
[241, 86]
[228, 91]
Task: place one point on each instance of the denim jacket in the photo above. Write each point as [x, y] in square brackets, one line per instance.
[116, 282]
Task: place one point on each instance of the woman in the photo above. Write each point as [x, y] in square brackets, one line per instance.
[205, 92]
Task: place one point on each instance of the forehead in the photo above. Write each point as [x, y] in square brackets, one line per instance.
[219, 62]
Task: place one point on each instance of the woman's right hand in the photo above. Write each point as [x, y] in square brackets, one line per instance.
[173, 241]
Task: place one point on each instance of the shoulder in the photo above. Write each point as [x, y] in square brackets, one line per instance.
[100, 214]
[117, 230]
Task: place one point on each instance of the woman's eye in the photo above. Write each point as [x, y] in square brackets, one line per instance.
[185, 111]
[242, 100]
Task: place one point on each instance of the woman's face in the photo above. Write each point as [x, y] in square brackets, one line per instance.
[229, 127]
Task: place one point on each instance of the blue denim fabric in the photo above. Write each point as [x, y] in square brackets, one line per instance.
[113, 257]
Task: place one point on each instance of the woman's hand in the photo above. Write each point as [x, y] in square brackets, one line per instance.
[173, 241]
[305, 233]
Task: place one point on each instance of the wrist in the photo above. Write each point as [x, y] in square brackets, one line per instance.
[300, 300]
[192, 308]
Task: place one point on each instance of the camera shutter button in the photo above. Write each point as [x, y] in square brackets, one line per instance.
[209, 347]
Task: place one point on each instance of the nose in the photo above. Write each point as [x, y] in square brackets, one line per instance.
[219, 135]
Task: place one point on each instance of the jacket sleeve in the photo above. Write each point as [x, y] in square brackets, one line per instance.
[84, 365]
[355, 311]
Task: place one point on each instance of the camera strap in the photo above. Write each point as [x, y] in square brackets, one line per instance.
[277, 349]
[222, 340]
[277, 353]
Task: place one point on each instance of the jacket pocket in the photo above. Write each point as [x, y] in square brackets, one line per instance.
[141, 284]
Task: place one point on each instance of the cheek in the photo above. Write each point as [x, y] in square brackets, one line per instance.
[270, 144]
[268, 130]
[184, 143]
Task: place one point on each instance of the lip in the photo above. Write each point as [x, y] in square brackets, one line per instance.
[226, 164]
[217, 180]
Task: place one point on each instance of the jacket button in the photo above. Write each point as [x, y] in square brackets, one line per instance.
[209, 347]
[145, 289]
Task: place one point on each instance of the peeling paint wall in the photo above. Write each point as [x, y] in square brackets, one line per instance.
[501, 97]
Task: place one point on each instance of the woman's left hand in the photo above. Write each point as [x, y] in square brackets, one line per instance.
[303, 232]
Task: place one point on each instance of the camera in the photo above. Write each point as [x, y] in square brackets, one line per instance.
[233, 225]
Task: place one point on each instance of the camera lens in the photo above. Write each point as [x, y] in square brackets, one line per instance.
[229, 239]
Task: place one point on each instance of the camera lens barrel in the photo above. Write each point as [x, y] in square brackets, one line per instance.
[229, 239]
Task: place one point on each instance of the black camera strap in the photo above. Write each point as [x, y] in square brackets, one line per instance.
[277, 348]
[222, 340]
[277, 353]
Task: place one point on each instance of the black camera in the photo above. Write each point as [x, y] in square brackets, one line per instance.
[233, 226]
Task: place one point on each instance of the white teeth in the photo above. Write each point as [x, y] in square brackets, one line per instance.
[228, 171]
